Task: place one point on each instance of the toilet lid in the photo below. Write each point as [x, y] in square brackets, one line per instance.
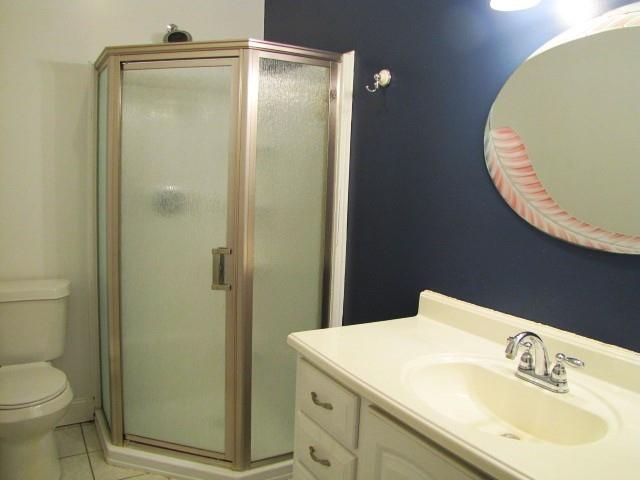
[29, 384]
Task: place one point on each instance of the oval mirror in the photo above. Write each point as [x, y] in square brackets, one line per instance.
[562, 140]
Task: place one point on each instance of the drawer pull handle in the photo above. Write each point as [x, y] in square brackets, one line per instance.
[315, 458]
[314, 399]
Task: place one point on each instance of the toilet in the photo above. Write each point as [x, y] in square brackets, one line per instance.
[34, 395]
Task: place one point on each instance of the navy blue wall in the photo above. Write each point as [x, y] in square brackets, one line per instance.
[423, 212]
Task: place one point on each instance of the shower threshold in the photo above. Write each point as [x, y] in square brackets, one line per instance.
[130, 456]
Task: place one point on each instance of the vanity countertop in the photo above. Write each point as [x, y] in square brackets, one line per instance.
[376, 361]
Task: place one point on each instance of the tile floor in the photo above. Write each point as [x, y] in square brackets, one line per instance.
[81, 457]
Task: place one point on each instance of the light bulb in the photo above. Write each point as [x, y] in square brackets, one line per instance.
[511, 5]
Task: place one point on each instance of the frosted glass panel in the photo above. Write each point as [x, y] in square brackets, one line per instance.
[102, 242]
[291, 167]
[175, 160]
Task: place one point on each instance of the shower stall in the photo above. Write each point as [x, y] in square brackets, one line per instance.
[219, 211]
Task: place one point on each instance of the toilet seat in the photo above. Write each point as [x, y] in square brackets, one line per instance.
[28, 385]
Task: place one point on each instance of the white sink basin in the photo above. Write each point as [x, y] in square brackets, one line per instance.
[443, 372]
[484, 394]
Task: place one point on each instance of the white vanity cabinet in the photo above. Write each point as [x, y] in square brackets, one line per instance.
[389, 450]
[432, 397]
[341, 436]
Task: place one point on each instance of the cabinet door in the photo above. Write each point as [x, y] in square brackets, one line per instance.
[389, 451]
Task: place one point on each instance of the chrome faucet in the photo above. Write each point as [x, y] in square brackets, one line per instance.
[529, 368]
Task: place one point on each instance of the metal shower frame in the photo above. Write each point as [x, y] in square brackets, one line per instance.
[245, 55]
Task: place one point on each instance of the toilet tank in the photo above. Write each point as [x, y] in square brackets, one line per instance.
[33, 320]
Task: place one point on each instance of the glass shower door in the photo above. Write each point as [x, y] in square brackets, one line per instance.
[178, 137]
[292, 164]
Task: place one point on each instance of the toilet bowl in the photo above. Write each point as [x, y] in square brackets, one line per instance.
[34, 395]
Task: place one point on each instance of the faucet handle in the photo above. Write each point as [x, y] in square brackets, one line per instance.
[559, 373]
[571, 361]
[509, 352]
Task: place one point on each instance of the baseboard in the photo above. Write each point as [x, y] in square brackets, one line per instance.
[80, 410]
[179, 468]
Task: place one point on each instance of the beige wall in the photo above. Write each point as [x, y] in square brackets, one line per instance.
[46, 139]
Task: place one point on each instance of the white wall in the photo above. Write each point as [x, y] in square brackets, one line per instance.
[47, 193]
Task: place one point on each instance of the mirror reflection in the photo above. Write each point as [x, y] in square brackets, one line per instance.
[562, 140]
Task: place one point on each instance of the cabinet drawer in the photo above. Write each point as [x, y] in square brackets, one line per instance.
[328, 403]
[319, 453]
[301, 473]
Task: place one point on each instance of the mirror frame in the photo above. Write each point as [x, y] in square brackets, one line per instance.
[515, 178]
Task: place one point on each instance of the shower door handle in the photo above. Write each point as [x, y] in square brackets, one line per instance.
[218, 268]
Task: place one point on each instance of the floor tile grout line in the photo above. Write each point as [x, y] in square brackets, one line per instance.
[73, 455]
[86, 452]
[84, 438]
[68, 426]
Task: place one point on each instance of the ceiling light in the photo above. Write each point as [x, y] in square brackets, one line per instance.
[511, 5]
[576, 11]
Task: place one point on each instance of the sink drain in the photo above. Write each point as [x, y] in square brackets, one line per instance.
[511, 436]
